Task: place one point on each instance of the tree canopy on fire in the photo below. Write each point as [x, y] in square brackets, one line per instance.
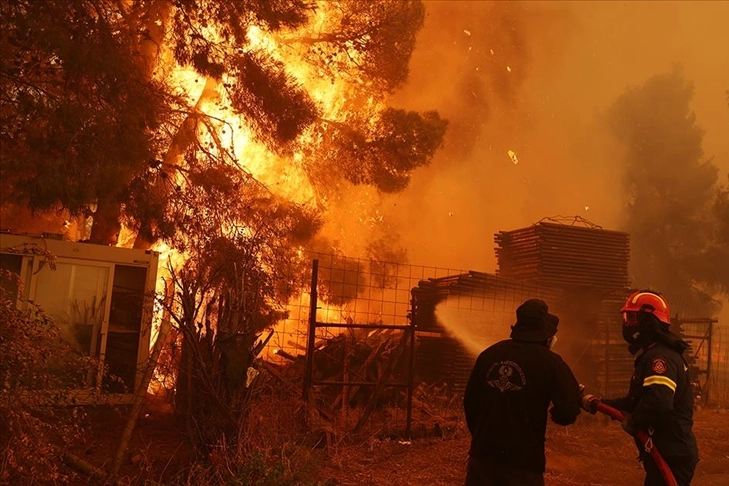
[169, 116]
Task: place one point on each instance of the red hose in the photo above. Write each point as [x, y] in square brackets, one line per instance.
[647, 442]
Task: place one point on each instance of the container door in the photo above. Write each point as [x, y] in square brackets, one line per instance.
[125, 327]
[76, 295]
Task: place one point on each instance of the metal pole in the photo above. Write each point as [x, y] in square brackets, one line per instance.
[607, 357]
[708, 364]
[309, 372]
[411, 371]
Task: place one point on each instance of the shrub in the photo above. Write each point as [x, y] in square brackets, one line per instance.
[37, 372]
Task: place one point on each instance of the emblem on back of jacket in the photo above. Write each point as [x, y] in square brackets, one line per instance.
[506, 376]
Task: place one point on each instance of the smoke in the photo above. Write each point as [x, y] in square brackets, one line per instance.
[487, 321]
[535, 78]
[477, 327]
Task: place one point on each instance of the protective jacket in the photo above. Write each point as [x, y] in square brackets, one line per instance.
[660, 401]
[506, 402]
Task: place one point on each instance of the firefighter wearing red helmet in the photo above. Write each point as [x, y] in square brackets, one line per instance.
[660, 398]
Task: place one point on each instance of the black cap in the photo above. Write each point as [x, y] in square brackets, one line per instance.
[534, 323]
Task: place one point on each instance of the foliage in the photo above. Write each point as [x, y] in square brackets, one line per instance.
[101, 116]
[382, 152]
[78, 115]
[277, 108]
[255, 470]
[37, 368]
[368, 43]
[230, 287]
[712, 265]
[675, 208]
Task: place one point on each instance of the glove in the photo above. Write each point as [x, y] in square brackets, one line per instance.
[589, 403]
[627, 424]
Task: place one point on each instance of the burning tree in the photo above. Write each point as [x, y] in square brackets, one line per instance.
[219, 129]
[116, 109]
[79, 114]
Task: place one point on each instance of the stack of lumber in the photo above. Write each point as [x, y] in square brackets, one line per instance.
[564, 255]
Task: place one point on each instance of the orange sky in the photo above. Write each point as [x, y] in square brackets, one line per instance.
[555, 67]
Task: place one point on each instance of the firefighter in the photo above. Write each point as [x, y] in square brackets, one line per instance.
[507, 397]
[660, 397]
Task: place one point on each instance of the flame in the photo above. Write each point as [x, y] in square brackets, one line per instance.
[283, 175]
[383, 306]
[285, 178]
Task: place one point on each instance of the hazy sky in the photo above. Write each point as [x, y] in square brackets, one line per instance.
[533, 78]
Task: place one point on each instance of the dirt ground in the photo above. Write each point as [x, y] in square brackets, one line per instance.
[594, 451]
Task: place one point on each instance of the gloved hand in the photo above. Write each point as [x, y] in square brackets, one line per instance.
[589, 403]
[627, 424]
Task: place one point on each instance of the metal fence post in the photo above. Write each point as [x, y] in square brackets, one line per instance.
[411, 371]
[311, 338]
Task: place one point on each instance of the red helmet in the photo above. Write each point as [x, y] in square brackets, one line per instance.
[647, 301]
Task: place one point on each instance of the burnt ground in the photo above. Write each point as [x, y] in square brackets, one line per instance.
[594, 451]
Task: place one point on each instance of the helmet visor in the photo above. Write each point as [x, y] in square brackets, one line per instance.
[630, 319]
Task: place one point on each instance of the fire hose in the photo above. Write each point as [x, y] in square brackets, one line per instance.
[646, 440]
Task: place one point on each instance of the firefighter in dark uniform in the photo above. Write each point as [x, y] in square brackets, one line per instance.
[507, 397]
[660, 398]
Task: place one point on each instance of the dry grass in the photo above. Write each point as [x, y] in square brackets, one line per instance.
[593, 452]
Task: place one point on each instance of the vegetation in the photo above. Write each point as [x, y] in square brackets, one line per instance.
[130, 112]
[171, 124]
[37, 369]
[676, 208]
[151, 121]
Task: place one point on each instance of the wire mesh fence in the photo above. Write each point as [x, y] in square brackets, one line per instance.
[718, 377]
[368, 375]
[350, 290]
[707, 358]
[354, 322]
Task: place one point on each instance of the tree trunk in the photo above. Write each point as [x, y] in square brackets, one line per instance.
[106, 220]
[181, 141]
[106, 225]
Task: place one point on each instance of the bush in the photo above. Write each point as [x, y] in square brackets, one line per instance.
[37, 372]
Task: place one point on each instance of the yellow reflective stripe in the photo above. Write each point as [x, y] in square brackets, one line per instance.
[660, 380]
[637, 296]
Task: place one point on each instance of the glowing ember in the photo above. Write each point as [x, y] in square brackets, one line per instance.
[512, 156]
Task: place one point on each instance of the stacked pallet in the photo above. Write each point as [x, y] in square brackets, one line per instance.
[609, 351]
[563, 255]
[590, 265]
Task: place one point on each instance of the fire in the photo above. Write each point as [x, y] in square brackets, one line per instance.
[285, 178]
[292, 332]
[284, 175]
